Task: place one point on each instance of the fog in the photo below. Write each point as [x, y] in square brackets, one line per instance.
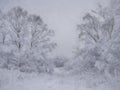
[61, 15]
[59, 45]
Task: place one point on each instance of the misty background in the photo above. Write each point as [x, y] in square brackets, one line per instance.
[60, 15]
[59, 44]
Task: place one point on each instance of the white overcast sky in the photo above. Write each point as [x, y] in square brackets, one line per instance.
[60, 15]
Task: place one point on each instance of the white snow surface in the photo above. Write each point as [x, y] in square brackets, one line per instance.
[14, 80]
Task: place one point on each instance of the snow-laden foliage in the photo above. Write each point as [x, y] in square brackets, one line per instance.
[60, 62]
[99, 34]
[25, 41]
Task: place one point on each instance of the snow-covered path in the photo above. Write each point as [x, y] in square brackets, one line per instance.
[49, 82]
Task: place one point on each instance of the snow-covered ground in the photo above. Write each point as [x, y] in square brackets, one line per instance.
[14, 80]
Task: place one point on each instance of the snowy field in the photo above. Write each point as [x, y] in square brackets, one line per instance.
[14, 80]
[59, 45]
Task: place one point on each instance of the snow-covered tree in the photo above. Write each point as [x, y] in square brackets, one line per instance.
[3, 27]
[99, 36]
[40, 37]
[17, 19]
[26, 40]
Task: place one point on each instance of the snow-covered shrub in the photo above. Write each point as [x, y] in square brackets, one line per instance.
[35, 65]
[59, 62]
